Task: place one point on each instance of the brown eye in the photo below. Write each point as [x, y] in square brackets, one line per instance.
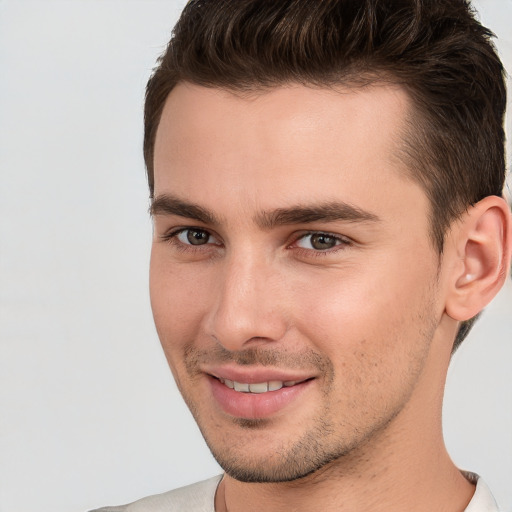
[196, 236]
[322, 242]
[318, 242]
[193, 238]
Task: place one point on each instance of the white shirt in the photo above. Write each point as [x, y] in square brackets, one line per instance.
[200, 497]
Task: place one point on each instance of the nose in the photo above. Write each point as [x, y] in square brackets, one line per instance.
[248, 307]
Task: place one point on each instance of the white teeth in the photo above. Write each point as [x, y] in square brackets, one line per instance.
[241, 387]
[258, 387]
[275, 385]
[261, 387]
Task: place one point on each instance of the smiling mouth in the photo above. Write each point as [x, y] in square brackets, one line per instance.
[259, 387]
[258, 398]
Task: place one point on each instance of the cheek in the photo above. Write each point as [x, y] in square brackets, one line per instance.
[365, 308]
[376, 333]
[178, 297]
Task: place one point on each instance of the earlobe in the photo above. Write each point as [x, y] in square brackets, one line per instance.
[483, 245]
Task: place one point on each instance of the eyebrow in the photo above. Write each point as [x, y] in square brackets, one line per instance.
[170, 205]
[331, 211]
[325, 212]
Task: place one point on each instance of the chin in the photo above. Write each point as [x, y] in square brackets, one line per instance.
[276, 464]
[272, 475]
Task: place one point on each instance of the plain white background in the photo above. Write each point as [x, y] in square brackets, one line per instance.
[89, 412]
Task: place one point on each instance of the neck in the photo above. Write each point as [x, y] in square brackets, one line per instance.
[388, 482]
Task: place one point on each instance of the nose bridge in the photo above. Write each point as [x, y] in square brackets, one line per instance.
[247, 304]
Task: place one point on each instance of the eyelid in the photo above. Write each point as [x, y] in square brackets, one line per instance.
[172, 236]
[343, 240]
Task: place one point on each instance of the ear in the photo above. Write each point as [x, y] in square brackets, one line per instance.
[483, 247]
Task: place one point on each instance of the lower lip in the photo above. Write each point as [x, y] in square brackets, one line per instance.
[255, 405]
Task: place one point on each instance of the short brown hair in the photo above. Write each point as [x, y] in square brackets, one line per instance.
[435, 49]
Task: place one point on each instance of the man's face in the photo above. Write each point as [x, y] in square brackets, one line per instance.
[292, 261]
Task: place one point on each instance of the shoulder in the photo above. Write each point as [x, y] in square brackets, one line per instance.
[198, 497]
[483, 500]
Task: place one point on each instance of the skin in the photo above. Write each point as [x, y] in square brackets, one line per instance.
[366, 319]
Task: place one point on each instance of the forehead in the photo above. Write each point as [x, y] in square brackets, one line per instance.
[285, 145]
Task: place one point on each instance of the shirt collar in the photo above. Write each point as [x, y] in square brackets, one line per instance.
[483, 500]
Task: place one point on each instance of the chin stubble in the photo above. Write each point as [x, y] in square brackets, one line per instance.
[306, 455]
[317, 448]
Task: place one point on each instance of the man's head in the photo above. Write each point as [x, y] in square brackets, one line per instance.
[324, 179]
[453, 143]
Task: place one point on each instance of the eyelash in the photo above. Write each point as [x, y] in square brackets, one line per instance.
[341, 242]
[172, 238]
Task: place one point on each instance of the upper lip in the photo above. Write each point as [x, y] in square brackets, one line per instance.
[256, 375]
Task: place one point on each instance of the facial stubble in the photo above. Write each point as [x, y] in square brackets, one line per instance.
[324, 443]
